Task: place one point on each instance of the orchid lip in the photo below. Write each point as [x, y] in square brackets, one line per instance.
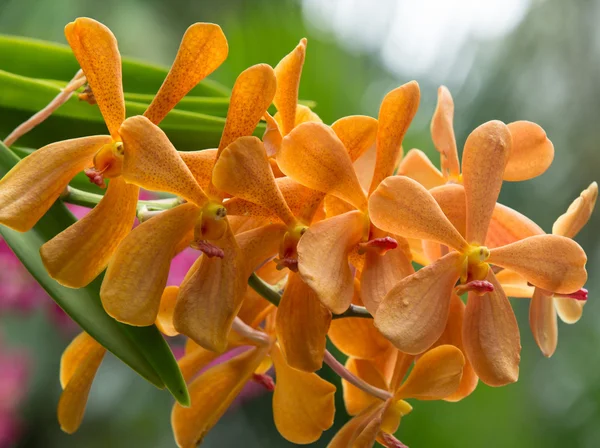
[479, 287]
[208, 249]
[264, 380]
[580, 294]
[378, 245]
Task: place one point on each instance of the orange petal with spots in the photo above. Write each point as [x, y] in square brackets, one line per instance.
[491, 336]
[202, 50]
[251, 96]
[137, 274]
[164, 319]
[453, 336]
[414, 313]
[542, 321]
[314, 156]
[78, 254]
[95, 48]
[272, 136]
[356, 336]
[381, 273]
[532, 152]
[552, 262]
[578, 213]
[302, 325]
[200, 163]
[417, 166]
[288, 72]
[30, 188]
[442, 133]
[151, 161]
[259, 245]
[403, 207]
[303, 403]
[396, 112]
[335, 206]
[323, 258]
[508, 225]
[485, 155]
[211, 296]
[211, 394]
[243, 170]
[436, 375]
[357, 133]
[78, 367]
[355, 399]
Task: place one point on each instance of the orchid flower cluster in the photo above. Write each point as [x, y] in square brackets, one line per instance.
[327, 222]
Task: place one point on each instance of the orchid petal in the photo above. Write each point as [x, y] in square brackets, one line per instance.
[403, 207]
[201, 164]
[303, 403]
[355, 399]
[330, 276]
[288, 72]
[491, 336]
[551, 262]
[508, 225]
[442, 133]
[417, 166]
[532, 153]
[349, 433]
[30, 188]
[414, 313]
[578, 213]
[164, 318]
[137, 274]
[542, 321]
[95, 48]
[484, 158]
[77, 255]
[202, 50]
[357, 133]
[569, 310]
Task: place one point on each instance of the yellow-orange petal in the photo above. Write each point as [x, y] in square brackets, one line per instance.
[402, 364]
[453, 336]
[358, 337]
[192, 362]
[381, 273]
[78, 367]
[491, 336]
[569, 310]
[272, 136]
[417, 166]
[355, 399]
[578, 213]
[314, 156]
[486, 151]
[211, 296]
[514, 285]
[152, 162]
[484, 157]
[396, 112]
[436, 375]
[137, 274]
[304, 114]
[364, 167]
[303, 201]
[414, 313]
[164, 319]
[323, 258]
[532, 152]
[211, 394]
[404, 207]
[357, 133]
[30, 188]
[303, 403]
[302, 325]
[542, 321]
[77, 255]
[95, 48]
[554, 263]
[202, 50]
[259, 245]
[442, 133]
[508, 225]
[347, 435]
[288, 72]
[243, 170]
[335, 206]
[200, 164]
[251, 96]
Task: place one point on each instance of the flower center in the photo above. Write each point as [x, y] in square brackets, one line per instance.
[474, 264]
[211, 224]
[108, 161]
[288, 249]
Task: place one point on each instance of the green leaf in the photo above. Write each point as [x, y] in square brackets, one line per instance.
[47, 60]
[143, 349]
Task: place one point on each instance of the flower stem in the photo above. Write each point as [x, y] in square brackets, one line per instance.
[245, 330]
[344, 373]
[267, 291]
[78, 80]
[90, 200]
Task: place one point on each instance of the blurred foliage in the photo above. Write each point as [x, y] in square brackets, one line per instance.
[544, 71]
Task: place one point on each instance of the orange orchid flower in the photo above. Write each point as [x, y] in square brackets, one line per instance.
[414, 313]
[137, 274]
[435, 375]
[313, 155]
[137, 153]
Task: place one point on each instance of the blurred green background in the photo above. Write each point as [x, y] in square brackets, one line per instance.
[509, 60]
